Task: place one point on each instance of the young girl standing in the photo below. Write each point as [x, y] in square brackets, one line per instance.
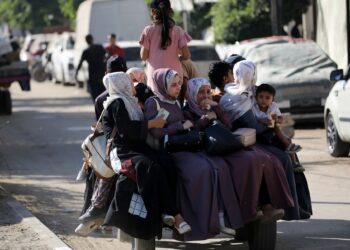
[163, 44]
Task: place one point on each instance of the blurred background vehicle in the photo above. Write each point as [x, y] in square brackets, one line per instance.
[132, 53]
[203, 54]
[125, 18]
[62, 59]
[299, 70]
[337, 114]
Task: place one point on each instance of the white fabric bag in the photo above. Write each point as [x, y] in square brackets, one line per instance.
[247, 136]
[94, 150]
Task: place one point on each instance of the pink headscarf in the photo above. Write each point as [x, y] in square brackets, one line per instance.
[162, 78]
[193, 87]
[137, 74]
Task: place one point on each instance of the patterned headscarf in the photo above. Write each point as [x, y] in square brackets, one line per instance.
[119, 86]
[137, 74]
[193, 87]
[162, 79]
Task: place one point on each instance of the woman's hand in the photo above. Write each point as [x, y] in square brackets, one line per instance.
[211, 116]
[207, 104]
[187, 125]
[156, 123]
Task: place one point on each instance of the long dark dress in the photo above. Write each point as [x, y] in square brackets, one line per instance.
[199, 176]
[151, 181]
[299, 190]
[250, 168]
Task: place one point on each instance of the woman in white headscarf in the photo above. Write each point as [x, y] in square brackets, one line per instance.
[145, 182]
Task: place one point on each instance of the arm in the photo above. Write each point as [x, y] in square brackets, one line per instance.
[82, 59]
[198, 123]
[144, 53]
[127, 129]
[151, 112]
[223, 118]
[185, 53]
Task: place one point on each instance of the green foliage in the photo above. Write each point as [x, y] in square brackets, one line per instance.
[240, 19]
[33, 15]
[236, 20]
[199, 20]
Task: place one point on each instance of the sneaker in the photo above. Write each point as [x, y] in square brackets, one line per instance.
[183, 228]
[86, 228]
[272, 214]
[92, 213]
[168, 220]
[293, 148]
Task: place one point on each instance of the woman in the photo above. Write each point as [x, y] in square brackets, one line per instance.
[142, 193]
[163, 41]
[237, 102]
[252, 171]
[201, 178]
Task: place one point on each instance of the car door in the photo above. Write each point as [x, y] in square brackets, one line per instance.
[344, 110]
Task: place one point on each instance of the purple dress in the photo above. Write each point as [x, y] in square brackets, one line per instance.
[200, 177]
[250, 168]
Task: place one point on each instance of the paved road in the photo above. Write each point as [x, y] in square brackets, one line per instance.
[40, 156]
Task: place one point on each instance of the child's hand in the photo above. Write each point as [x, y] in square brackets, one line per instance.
[267, 122]
[279, 119]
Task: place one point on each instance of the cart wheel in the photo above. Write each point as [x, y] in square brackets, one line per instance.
[262, 236]
[5, 102]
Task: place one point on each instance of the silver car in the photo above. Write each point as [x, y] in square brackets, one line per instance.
[299, 70]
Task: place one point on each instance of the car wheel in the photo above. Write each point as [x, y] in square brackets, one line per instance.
[336, 146]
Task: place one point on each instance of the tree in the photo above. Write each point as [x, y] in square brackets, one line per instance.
[33, 15]
[236, 20]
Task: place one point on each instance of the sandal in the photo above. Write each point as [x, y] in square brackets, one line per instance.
[293, 148]
[183, 228]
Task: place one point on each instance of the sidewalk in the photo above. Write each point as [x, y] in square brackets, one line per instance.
[19, 229]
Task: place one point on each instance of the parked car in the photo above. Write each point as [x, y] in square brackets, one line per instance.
[62, 59]
[299, 70]
[337, 114]
[202, 54]
[132, 53]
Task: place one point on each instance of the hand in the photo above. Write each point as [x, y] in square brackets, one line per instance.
[207, 103]
[267, 122]
[211, 116]
[279, 119]
[187, 125]
[156, 123]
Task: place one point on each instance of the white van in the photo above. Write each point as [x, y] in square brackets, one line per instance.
[125, 18]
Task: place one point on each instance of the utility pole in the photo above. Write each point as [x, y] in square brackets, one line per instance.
[276, 17]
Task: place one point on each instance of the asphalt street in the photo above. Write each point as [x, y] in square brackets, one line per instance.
[40, 156]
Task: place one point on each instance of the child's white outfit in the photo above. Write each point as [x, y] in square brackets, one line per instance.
[273, 108]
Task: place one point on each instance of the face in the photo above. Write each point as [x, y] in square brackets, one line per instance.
[112, 40]
[229, 77]
[175, 87]
[204, 93]
[264, 99]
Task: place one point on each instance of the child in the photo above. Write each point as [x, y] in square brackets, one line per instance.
[267, 112]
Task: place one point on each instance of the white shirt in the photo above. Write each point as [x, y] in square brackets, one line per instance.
[273, 108]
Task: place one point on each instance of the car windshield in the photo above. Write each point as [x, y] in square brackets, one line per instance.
[199, 53]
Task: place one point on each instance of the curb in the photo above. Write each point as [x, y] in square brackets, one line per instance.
[46, 235]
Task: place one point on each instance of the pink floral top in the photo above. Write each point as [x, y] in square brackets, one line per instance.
[158, 58]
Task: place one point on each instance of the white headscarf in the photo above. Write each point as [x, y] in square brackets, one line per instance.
[239, 97]
[119, 86]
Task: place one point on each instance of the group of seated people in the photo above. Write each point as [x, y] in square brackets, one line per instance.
[196, 193]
